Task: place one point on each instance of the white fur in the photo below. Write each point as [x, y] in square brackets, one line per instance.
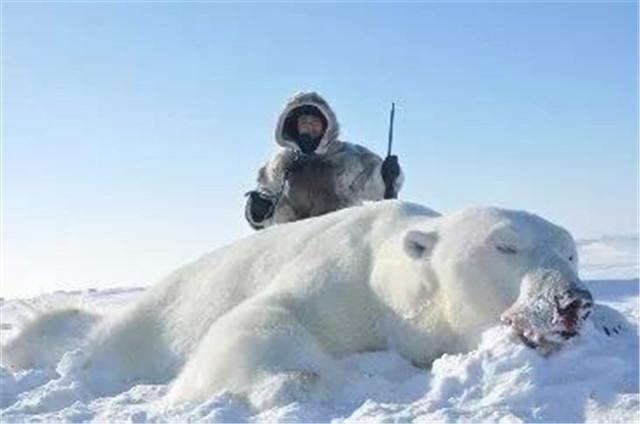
[47, 336]
[289, 300]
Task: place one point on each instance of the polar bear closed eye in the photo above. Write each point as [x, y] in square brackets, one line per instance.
[289, 300]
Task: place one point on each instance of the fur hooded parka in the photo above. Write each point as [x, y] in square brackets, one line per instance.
[335, 176]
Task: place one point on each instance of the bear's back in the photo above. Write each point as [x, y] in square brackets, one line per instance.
[197, 294]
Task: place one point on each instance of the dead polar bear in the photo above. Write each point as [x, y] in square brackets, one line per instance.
[388, 275]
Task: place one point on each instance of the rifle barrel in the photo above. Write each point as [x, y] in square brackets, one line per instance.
[391, 116]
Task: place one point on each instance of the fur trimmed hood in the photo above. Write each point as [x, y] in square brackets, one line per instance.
[301, 99]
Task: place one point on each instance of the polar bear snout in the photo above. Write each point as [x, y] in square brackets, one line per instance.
[572, 310]
[550, 309]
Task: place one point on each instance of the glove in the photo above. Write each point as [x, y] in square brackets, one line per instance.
[390, 170]
[260, 206]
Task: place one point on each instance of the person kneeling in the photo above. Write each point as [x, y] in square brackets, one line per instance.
[315, 173]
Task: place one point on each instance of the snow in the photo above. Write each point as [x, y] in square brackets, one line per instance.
[609, 258]
[593, 378]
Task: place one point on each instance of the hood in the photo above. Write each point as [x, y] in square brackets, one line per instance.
[306, 98]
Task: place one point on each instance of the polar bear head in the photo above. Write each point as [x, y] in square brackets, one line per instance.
[489, 263]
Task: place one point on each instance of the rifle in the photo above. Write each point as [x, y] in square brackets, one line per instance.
[391, 115]
[389, 193]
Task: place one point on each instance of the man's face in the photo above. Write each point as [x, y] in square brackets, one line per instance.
[310, 125]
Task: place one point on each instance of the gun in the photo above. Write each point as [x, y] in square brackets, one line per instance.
[389, 193]
[391, 116]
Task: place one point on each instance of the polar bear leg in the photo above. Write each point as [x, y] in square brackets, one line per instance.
[130, 348]
[47, 337]
[253, 347]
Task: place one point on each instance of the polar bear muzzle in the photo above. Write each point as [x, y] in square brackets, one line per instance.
[550, 309]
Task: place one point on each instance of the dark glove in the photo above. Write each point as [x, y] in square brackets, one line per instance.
[390, 171]
[259, 207]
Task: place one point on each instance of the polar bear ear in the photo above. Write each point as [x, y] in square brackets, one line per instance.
[418, 244]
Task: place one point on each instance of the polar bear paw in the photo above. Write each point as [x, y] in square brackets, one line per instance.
[284, 388]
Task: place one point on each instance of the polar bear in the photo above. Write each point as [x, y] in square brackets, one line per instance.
[291, 299]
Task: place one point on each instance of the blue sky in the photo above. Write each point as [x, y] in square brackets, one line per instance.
[131, 131]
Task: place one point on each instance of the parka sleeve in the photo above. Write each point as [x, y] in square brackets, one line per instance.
[368, 183]
[271, 180]
[272, 174]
